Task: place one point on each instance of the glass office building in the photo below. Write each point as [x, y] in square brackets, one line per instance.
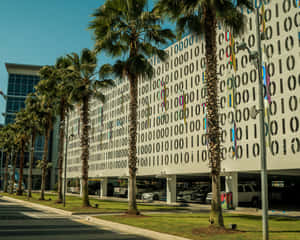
[18, 87]
[21, 81]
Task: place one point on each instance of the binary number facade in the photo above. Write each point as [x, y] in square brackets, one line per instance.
[172, 109]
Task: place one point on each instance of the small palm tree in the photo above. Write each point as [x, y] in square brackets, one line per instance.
[14, 154]
[124, 28]
[22, 137]
[32, 109]
[47, 96]
[85, 86]
[6, 144]
[200, 17]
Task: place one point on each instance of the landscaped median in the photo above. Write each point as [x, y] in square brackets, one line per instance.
[195, 226]
[73, 204]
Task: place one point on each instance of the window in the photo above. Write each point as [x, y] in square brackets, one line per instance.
[21, 85]
[241, 189]
[248, 188]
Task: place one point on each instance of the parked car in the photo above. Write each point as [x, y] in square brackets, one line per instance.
[155, 195]
[120, 192]
[247, 193]
[16, 186]
[196, 194]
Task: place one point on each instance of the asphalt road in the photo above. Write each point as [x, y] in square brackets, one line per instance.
[22, 223]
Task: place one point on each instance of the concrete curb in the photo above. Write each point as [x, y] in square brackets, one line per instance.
[38, 206]
[104, 223]
[134, 230]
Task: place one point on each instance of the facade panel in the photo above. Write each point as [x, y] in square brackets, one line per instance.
[172, 112]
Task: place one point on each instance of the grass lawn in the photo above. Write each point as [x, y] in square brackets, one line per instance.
[186, 225]
[73, 204]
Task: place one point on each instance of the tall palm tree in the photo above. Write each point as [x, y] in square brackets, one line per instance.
[4, 152]
[46, 94]
[23, 135]
[64, 87]
[15, 148]
[85, 86]
[6, 144]
[125, 28]
[200, 17]
[32, 109]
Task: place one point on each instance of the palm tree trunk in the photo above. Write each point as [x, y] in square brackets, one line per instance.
[45, 163]
[216, 216]
[84, 118]
[132, 206]
[22, 153]
[31, 165]
[61, 151]
[14, 162]
[6, 172]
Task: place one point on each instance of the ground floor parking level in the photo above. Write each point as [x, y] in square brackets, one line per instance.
[245, 187]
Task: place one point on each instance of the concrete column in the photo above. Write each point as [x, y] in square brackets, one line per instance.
[81, 190]
[103, 187]
[128, 188]
[231, 183]
[171, 189]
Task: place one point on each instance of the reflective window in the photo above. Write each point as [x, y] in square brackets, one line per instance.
[21, 85]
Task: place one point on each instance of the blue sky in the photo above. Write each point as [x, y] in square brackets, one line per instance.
[37, 32]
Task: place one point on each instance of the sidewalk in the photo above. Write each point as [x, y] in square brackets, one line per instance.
[123, 228]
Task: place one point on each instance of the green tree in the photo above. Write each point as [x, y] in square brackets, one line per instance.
[22, 139]
[125, 29]
[32, 109]
[47, 96]
[200, 17]
[85, 86]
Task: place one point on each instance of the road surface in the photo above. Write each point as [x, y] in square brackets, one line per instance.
[23, 223]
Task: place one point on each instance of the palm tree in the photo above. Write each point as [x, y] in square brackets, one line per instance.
[22, 137]
[200, 17]
[4, 152]
[64, 87]
[124, 28]
[46, 94]
[85, 86]
[6, 144]
[14, 154]
[32, 109]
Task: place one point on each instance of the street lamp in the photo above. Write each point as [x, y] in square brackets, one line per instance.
[66, 156]
[257, 55]
[29, 181]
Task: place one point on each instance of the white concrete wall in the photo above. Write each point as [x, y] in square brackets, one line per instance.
[176, 146]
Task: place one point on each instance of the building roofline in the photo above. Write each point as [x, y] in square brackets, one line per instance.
[11, 66]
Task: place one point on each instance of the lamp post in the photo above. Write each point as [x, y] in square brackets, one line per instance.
[66, 158]
[263, 171]
[29, 181]
[264, 176]
[66, 155]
